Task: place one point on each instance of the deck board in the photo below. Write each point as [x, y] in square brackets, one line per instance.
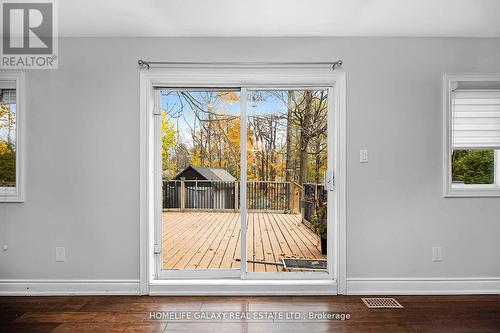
[211, 240]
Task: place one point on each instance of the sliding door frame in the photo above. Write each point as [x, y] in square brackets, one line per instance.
[332, 251]
[161, 273]
[244, 77]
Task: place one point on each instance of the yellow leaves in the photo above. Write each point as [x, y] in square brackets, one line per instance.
[4, 148]
[169, 141]
[167, 130]
[228, 96]
[4, 108]
[195, 157]
[7, 117]
[233, 133]
[164, 127]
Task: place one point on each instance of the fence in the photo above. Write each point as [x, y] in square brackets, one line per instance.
[223, 195]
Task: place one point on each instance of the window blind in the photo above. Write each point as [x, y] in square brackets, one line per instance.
[7, 96]
[476, 119]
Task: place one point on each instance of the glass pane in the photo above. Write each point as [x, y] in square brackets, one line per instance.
[473, 167]
[201, 170]
[286, 161]
[7, 134]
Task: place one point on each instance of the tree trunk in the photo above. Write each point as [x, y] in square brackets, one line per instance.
[305, 137]
[317, 158]
[209, 138]
[273, 125]
[303, 166]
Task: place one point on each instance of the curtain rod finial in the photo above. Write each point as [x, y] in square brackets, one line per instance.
[337, 64]
[143, 63]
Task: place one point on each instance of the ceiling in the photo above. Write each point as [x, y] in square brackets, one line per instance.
[129, 18]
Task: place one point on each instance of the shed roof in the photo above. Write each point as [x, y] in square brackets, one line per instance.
[208, 173]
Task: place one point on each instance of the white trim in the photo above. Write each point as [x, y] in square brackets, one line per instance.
[497, 168]
[243, 76]
[423, 286]
[340, 160]
[333, 104]
[157, 181]
[196, 274]
[449, 81]
[145, 232]
[69, 287]
[332, 234]
[17, 194]
[243, 183]
[291, 275]
[244, 287]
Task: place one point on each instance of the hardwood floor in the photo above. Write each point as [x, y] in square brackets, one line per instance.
[211, 240]
[131, 314]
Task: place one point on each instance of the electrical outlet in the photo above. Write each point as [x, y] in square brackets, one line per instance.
[5, 247]
[437, 253]
[363, 156]
[60, 254]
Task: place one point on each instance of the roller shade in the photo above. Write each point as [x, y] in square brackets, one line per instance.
[476, 118]
[7, 96]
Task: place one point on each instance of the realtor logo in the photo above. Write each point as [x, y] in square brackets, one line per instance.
[29, 34]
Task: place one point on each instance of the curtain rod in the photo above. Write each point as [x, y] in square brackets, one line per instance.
[148, 64]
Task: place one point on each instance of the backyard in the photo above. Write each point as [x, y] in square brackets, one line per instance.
[286, 153]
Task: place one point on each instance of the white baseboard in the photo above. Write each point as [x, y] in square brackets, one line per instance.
[242, 287]
[68, 287]
[422, 286]
[355, 286]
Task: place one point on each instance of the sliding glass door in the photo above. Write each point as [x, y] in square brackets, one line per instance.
[199, 135]
[243, 182]
[287, 159]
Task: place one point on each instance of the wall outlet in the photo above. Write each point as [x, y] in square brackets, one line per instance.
[60, 254]
[5, 247]
[363, 156]
[437, 253]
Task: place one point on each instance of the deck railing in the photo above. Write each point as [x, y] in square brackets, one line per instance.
[224, 195]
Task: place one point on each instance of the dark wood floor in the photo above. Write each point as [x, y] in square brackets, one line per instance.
[131, 314]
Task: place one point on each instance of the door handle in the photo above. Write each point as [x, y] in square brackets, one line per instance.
[329, 180]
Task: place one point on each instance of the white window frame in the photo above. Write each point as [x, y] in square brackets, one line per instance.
[16, 194]
[243, 76]
[466, 190]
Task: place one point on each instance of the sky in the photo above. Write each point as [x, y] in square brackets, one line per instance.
[183, 120]
[170, 102]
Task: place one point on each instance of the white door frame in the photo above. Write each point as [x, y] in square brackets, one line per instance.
[242, 76]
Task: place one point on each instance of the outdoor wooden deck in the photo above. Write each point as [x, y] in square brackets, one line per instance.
[211, 240]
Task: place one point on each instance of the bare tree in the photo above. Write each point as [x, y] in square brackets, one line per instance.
[265, 129]
[307, 111]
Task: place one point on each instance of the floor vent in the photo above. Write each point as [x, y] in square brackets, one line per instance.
[381, 303]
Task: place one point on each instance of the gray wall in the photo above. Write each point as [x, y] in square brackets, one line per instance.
[83, 156]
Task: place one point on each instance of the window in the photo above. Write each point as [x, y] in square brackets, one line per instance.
[11, 129]
[472, 142]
